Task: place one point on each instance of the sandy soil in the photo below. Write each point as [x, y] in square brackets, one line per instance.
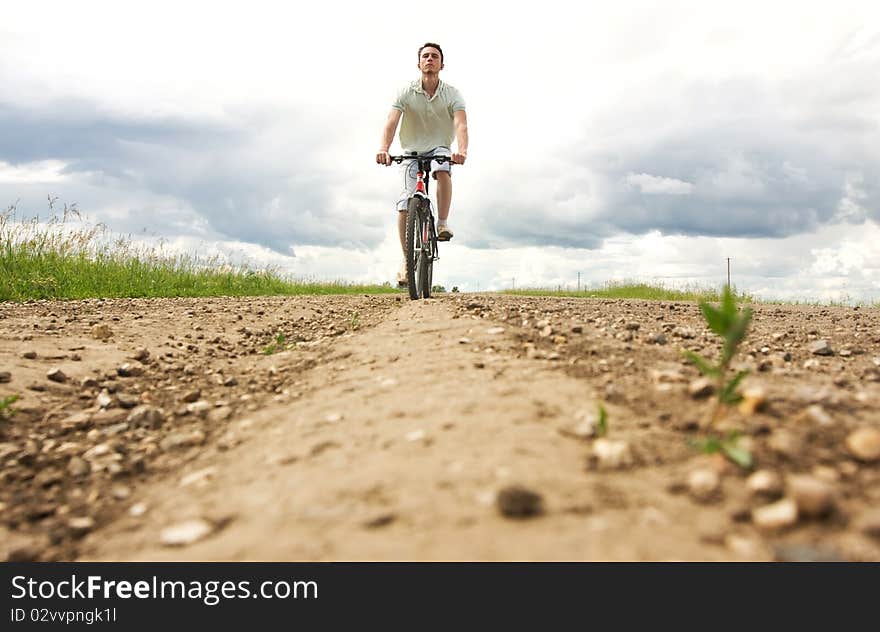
[456, 428]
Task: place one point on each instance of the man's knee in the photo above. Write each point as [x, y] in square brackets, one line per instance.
[442, 176]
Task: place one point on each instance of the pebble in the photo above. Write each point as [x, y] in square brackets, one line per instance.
[80, 526]
[77, 421]
[380, 520]
[192, 396]
[516, 501]
[146, 416]
[200, 407]
[583, 426]
[703, 484]
[29, 355]
[220, 414]
[186, 532]
[77, 467]
[56, 375]
[129, 370]
[137, 510]
[822, 348]
[464, 341]
[869, 523]
[778, 515]
[611, 454]
[101, 332]
[415, 435]
[177, 439]
[818, 415]
[495, 330]
[5, 376]
[784, 443]
[814, 498]
[765, 483]
[141, 354]
[333, 417]
[864, 444]
[746, 548]
[701, 388]
[230, 381]
[104, 400]
[754, 398]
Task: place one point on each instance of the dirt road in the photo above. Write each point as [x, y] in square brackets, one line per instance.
[457, 428]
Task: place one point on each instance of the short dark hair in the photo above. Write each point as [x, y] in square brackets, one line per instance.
[432, 45]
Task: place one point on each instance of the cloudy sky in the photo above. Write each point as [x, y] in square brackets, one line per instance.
[620, 140]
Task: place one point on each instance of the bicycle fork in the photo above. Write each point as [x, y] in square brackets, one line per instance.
[427, 218]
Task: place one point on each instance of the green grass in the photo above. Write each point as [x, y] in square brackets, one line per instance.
[637, 290]
[62, 259]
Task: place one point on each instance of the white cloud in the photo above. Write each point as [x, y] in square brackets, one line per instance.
[646, 183]
[39, 171]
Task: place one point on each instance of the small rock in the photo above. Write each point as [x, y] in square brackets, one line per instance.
[812, 364]
[869, 523]
[659, 339]
[611, 454]
[199, 477]
[102, 449]
[704, 484]
[56, 375]
[515, 501]
[141, 354]
[864, 444]
[120, 492]
[5, 376]
[778, 515]
[464, 341]
[784, 443]
[333, 417]
[747, 549]
[128, 401]
[220, 414]
[184, 533]
[29, 355]
[129, 370]
[822, 348]
[495, 330]
[701, 388]
[765, 483]
[415, 435]
[817, 414]
[77, 467]
[814, 498]
[81, 525]
[102, 332]
[200, 408]
[192, 396]
[381, 520]
[77, 421]
[146, 416]
[577, 329]
[137, 510]
[104, 400]
[178, 439]
[230, 381]
[88, 382]
[583, 426]
[753, 399]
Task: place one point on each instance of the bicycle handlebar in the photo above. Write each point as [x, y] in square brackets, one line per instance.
[440, 159]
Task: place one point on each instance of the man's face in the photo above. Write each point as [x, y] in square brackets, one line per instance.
[429, 60]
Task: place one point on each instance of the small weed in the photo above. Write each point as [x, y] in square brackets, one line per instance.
[602, 423]
[277, 345]
[728, 446]
[355, 321]
[731, 324]
[6, 409]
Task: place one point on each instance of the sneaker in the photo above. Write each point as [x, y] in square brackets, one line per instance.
[444, 233]
[401, 275]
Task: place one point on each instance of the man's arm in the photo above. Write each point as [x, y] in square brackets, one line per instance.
[461, 137]
[382, 156]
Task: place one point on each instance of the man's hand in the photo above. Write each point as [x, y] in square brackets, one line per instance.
[459, 157]
[383, 158]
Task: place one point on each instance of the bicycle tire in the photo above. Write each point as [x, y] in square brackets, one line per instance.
[413, 237]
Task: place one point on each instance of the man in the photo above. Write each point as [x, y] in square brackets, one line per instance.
[432, 111]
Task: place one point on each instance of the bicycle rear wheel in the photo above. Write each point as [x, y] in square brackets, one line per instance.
[414, 247]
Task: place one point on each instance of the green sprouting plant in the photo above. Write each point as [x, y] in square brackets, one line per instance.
[602, 423]
[728, 446]
[731, 324]
[355, 321]
[6, 409]
[276, 345]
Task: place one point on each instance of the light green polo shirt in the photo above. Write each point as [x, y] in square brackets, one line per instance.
[427, 121]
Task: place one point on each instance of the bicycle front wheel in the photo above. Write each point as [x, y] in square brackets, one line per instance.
[414, 247]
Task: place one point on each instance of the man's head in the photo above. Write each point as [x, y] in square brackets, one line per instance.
[430, 58]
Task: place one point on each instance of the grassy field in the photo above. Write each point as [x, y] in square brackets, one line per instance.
[624, 289]
[63, 259]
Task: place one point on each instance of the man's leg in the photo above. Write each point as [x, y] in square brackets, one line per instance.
[444, 195]
[401, 229]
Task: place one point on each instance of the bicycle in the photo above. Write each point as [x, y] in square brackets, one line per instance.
[421, 232]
